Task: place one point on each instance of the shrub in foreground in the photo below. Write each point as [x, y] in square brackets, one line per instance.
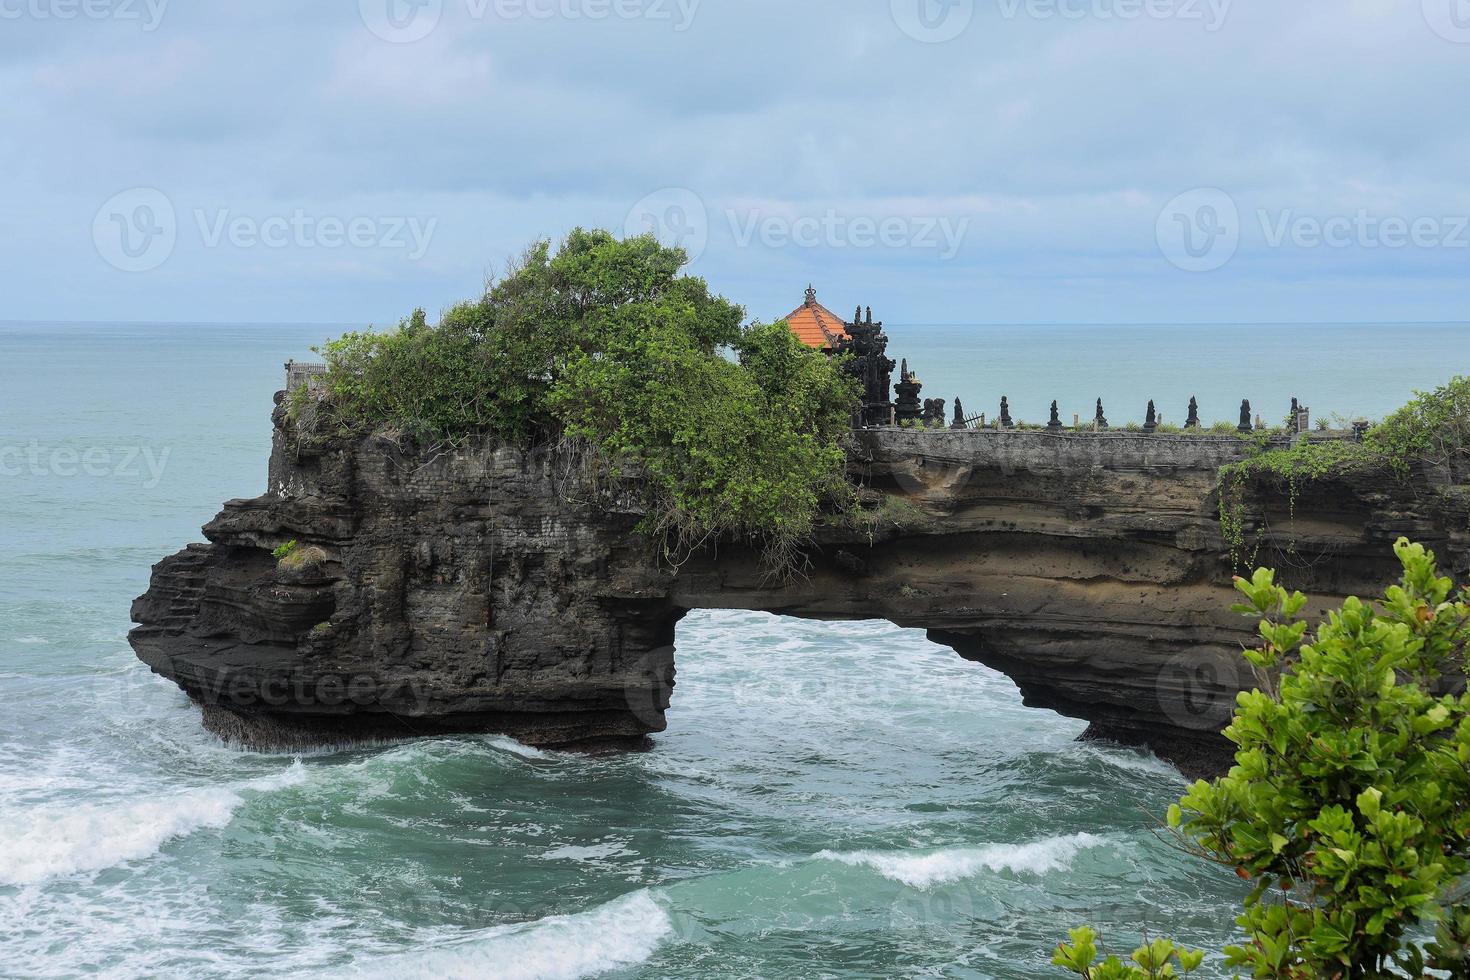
[1348, 808]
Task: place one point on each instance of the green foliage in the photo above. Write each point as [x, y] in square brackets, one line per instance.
[751, 448]
[284, 551]
[303, 557]
[1348, 807]
[1154, 961]
[1434, 428]
[737, 429]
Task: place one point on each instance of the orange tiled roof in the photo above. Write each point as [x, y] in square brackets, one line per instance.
[815, 325]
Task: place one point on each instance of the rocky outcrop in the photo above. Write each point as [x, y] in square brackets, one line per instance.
[492, 589]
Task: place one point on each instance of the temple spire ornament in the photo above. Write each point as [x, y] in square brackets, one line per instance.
[907, 408]
[871, 365]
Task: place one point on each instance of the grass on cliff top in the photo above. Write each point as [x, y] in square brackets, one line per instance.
[737, 431]
[1432, 430]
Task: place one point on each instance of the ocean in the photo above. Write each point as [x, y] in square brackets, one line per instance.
[835, 800]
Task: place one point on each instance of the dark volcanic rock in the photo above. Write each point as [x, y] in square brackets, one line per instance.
[492, 589]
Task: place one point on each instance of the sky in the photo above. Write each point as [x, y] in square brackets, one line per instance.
[944, 161]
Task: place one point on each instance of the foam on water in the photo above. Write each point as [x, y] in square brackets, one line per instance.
[517, 748]
[954, 864]
[614, 936]
[47, 842]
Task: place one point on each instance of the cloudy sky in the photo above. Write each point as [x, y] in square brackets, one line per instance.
[956, 161]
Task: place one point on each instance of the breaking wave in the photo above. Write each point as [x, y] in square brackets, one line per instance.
[955, 864]
[617, 935]
[51, 841]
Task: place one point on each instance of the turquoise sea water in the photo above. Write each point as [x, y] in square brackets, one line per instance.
[842, 800]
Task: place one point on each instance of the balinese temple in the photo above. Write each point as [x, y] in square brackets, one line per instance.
[816, 326]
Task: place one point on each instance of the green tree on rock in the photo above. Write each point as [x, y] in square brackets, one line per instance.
[734, 431]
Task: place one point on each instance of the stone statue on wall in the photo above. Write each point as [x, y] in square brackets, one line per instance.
[1101, 421]
[1055, 425]
[1005, 413]
[1245, 417]
[1193, 421]
[1151, 420]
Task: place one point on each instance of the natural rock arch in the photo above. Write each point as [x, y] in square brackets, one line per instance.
[491, 589]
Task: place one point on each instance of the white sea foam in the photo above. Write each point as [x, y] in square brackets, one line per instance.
[518, 748]
[955, 864]
[52, 841]
[614, 936]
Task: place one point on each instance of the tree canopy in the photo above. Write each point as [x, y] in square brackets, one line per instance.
[737, 428]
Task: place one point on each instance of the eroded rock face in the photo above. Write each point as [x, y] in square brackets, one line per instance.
[490, 589]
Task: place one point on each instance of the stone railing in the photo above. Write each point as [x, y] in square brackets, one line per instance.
[300, 373]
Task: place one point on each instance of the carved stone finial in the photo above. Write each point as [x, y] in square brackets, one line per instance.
[811, 296]
[1193, 421]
